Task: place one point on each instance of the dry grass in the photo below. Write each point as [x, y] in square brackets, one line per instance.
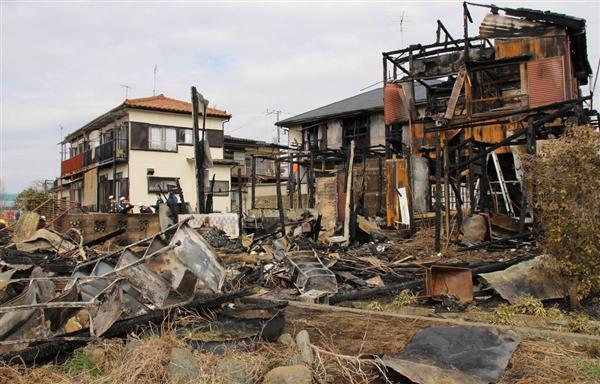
[541, 361]
[148, 362]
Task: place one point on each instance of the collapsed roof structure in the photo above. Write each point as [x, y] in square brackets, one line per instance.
[518, 81]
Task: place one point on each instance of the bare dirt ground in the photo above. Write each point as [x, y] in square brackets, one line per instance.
[536, 360]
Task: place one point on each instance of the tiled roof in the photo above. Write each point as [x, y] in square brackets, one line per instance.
[163, 103]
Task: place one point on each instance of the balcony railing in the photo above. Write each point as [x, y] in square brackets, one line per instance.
[72, 165]
[102, 154]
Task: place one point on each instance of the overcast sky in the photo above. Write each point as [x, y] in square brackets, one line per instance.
[63, 62]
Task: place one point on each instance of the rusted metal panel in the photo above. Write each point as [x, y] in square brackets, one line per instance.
[546, 81]
[394, 107]
[445, 280]
[538, 47]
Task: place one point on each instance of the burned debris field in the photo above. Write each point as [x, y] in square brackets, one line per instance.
[442, 228]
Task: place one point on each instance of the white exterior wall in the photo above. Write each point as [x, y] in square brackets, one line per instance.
[173, 164]
[295, 136]
[377, 129]
[178, 120]
[334, 134]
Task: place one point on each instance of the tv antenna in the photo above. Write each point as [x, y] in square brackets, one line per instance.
[127, 88]
[154, 88]
[402, 21]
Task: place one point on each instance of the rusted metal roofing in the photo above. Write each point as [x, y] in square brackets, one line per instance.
[494, 26]
[546, 81]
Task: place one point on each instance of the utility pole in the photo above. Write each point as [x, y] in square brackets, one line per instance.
[277, 114]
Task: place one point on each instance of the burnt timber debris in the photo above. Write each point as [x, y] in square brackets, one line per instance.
[437, 212]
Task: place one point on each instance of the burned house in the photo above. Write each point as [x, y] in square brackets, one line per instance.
[498, 93]
[251, 157]
[323, 137]
[447, 132]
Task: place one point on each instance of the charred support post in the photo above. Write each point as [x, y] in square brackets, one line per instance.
[290, 182]
[348, 211]
[253, 205]
[310, 174]
[380, 180]
[240, 208]
[466, 19]
[470, 180]
[279, 197]
[483, 182]
[199, 146]
[446, 191]
[457, 178]
[299, 181]
[438, 194]
[531, 149]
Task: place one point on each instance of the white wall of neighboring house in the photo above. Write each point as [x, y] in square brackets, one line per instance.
[334, 134]
[295, 136]
[178, 120]
[179, 164]
[377, 129]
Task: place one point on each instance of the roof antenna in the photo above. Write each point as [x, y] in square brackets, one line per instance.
[127, 88]
[154, 88]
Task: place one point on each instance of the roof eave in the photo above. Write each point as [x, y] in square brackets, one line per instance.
[289, 123]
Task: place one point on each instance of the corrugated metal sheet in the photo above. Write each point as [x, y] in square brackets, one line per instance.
[393, 104]
[494, 26]
[545, 80]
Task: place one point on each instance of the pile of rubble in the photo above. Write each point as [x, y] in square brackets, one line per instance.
[59, 293]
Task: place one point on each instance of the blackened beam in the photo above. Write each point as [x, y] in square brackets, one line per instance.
[509, 140]
[105, 237]
[432, 53]
[410, 74]
[420, 47]
[472, 123]
[448, 36]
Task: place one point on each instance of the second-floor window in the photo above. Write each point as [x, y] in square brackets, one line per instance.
[185, 136]
[162, 138]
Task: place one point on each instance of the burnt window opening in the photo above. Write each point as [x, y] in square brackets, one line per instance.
[357, 129]
[315, 137]
[395, 138]
[496, 88]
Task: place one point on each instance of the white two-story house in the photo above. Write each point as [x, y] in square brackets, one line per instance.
[138, 148]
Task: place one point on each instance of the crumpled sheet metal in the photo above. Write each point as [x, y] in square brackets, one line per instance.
[165, 275]
[314, 276]
[197, 255]
[50, 319]
[529, 278]
[455, 355]
[45, 240]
